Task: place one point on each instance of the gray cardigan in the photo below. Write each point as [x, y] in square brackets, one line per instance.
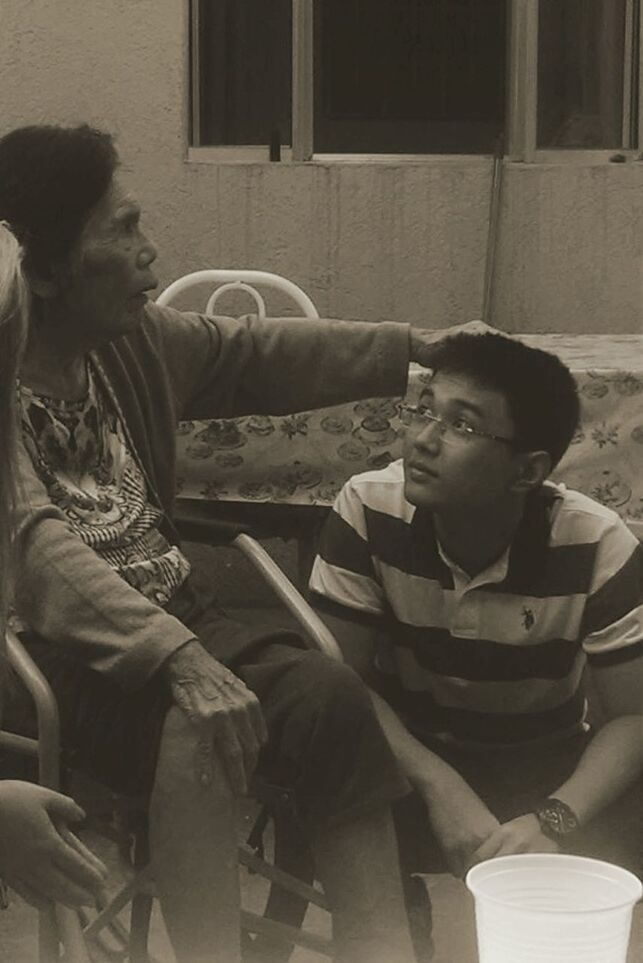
[177, 366]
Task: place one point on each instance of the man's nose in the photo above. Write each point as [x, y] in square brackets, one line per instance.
[430, 434]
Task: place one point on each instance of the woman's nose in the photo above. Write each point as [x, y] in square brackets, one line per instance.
[147, 254]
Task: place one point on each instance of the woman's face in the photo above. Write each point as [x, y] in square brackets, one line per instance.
[111, 270]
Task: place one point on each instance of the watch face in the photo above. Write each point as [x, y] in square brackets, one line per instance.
[556, 819]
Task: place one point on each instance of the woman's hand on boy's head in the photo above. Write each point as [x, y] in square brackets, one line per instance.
[423, 341]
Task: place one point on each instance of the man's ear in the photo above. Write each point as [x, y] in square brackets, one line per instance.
[534, 467]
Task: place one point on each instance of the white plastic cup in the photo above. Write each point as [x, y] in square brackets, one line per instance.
[552, 908]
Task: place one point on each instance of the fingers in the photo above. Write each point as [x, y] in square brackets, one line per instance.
[48, 884]
[77, 861]
[250, 745]
[230, 747]
[237, 742]
[62, 888]
[491, 847]
[63, 808]
[258, 721]
[204, 768]
[74, 868]
[227, 713]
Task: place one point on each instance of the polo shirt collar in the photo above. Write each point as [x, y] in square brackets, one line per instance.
[522, 562]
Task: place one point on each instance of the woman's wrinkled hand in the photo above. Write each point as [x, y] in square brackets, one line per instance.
[423, 341]
[226, 713]
[40, 858]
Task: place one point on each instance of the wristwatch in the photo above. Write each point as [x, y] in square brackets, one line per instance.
[556, 819]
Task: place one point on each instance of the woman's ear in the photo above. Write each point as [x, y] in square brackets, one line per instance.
[48, 284]
[534, 467]
[45, 288]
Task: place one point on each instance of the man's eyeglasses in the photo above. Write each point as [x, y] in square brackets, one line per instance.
[450, 429]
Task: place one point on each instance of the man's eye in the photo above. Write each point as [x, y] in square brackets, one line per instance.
[461, 424]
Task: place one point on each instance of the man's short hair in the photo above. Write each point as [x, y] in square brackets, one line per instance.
[51, 178]
[539, 389]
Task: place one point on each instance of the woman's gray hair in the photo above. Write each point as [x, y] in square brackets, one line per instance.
[14, 309]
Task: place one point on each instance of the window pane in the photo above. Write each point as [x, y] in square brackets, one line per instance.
[408, 76]
[581, 48]
[245, 70]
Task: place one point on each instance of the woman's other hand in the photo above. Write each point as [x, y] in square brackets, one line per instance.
[40, 858]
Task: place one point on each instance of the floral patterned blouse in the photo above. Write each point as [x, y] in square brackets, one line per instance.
[83, 456]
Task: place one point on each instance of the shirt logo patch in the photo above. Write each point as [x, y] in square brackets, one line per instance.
[528, 618]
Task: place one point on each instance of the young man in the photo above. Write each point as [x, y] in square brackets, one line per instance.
[478, 600]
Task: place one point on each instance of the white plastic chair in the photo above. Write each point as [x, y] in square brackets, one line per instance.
[239, 280]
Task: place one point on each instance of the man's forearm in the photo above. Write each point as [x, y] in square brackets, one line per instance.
[612, 761]
[425, 770]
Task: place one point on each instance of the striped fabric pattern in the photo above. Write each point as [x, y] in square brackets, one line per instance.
[497, 659]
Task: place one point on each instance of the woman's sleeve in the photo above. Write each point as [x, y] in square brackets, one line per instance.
[224, 367]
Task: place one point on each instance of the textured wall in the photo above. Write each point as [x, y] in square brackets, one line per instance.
[371, 241]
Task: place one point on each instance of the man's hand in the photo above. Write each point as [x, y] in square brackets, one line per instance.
[461, 823]
[224, 710]
[520, 835]
[39, 857]
[423, 342]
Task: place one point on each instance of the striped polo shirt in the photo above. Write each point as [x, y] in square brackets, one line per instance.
[497, 659]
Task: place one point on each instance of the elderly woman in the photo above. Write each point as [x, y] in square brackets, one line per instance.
[40, 858]
[159, 692]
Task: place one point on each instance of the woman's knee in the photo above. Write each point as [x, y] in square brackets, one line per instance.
[331, 689]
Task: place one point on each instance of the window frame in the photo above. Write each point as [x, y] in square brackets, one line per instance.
[522, 99]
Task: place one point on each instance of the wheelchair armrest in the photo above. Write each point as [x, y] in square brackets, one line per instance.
[315, 629]
[47, 745]
[194, 524]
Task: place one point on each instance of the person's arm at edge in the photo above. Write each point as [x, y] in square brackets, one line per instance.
[613, 643]
[613, 759]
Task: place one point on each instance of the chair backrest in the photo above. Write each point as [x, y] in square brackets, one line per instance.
[239, 280]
